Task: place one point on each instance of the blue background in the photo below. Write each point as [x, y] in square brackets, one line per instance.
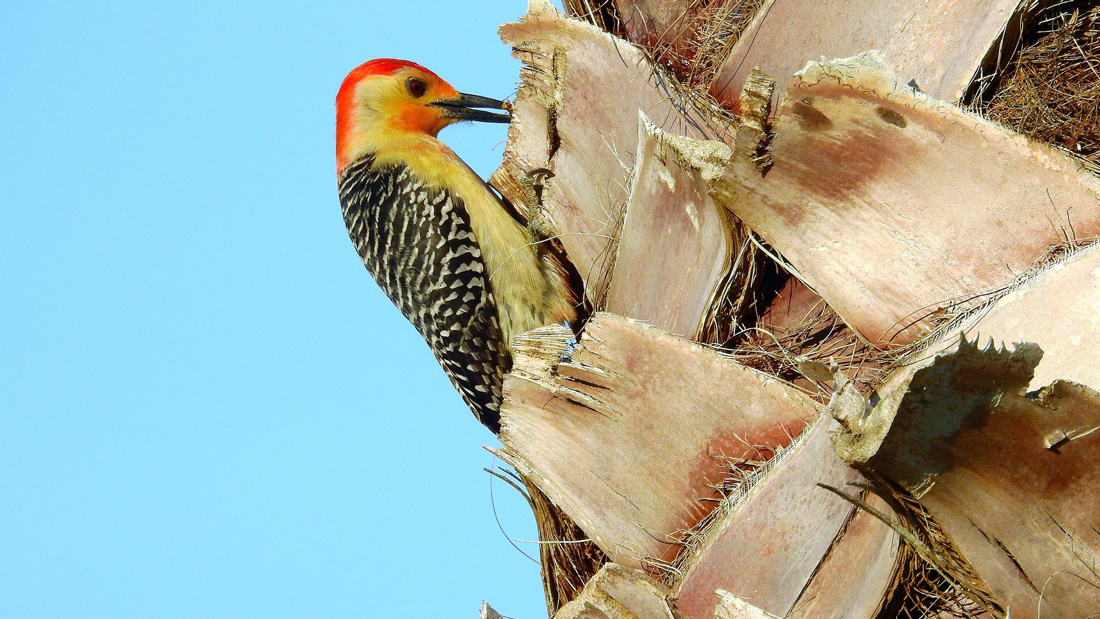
[207, 407]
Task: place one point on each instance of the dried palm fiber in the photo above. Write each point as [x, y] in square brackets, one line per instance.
[783, 355]
[960, 313]
[752, 278]
[600, 13]
[691, 43]
[933, 578]
[732, 323]
[568, 558]
[716, 31]
[743, 473]
[1050, 89]
[821, 338]
[714, 28]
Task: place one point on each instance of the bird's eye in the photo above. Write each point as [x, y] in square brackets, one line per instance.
[416, 87]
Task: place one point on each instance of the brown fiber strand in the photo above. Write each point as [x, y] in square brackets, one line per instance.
[1051, 90]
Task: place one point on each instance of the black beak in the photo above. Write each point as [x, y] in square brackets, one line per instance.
[462, 109]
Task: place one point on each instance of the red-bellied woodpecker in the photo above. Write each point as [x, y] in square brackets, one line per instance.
[452, 255]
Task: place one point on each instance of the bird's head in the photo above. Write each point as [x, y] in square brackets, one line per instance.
[387, 102]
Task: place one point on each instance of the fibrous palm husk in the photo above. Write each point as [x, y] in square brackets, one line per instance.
[1050, 90]
[802, 525]
[689, 39]
[581, 425]
[865, 170]
[577, 439]
[1008, 475]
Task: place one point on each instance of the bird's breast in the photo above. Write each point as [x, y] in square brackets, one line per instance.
[528, 292]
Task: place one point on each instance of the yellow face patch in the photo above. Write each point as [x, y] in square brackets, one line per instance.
[381, 110]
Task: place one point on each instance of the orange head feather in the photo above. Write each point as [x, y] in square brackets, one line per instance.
[384, 101]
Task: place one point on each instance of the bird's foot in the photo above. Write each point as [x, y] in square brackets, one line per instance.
[570, 345]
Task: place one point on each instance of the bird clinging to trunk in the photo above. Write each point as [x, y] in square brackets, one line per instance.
[452, 255]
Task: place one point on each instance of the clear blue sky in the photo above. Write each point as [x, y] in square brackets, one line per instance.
[207, 407]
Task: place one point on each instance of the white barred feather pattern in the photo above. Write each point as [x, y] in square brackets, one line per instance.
[418, 244]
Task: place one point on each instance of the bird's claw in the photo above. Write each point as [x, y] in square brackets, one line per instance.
[570, 345]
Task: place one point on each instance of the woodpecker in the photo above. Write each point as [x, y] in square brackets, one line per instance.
[454, 256]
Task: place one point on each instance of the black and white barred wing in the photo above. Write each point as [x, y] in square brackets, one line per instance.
[418, 244]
